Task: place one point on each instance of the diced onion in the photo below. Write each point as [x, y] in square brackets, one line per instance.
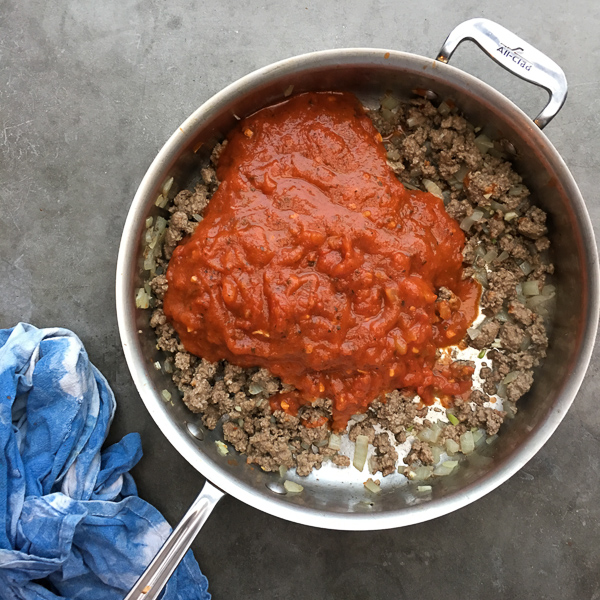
[480, 275]
[445, 468]
[288, 90]
[161, 201]
[442, 471]
[452, 447]
[483, 143]
[499, 206]
[460, 175]
[473, 332]
[478, 437]
[531, 288]
[389, 102]
[477, 215]
[436, 452]
[412, 121]
[361, 448]
[510, 377]
[335, 441]
[282, 471]
[372, 486]
[142, 299]
[503, 256]
[157, 366]
[166, 188]
[501, 390]
[166, 394]
[433, 188]
[149, 221]
[490, 256]
[444, 109]
[387, 115]
[161, 224]
[467, 444]
[430, 435]
[503, 316]
[517, 190]
[197, 217]
[359, 417]
[421, 473]
[536, 302]
[149, 262]
[491, 439]
[510, 215]
[423, 488]
[222, 448]
[526, 267]
[549, 290]
[510, 408]
[292, 487]
[255, 388]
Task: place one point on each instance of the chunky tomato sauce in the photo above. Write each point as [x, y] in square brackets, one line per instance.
[315, 262]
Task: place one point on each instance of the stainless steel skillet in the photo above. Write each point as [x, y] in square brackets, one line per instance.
[336, 499]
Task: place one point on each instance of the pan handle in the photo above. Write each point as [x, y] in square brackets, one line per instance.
[155, 577]
[516, 56]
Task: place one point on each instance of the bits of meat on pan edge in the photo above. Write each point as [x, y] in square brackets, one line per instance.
[216, 153]
[159, 286]
[487, 418]
[385, 457]
[420, 452]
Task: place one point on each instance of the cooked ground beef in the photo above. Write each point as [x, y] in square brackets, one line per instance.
[506, 247]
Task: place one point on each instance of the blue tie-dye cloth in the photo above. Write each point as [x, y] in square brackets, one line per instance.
[74, 526]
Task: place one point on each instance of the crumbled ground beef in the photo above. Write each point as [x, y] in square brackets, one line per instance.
[419, 452]
[505, 248]
[385, 457]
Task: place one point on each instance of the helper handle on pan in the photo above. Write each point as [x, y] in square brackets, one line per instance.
[516, 56]
[155, 577]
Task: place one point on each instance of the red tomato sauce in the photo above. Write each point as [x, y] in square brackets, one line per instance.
[315, 262]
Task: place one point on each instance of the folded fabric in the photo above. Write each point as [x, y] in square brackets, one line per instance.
[74, 525]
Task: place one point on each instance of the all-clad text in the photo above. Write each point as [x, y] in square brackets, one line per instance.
[512, 55]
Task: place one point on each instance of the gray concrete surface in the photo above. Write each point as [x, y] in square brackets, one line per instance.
[90, 90]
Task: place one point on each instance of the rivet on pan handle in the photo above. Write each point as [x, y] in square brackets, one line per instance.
[155, 577]
[516, 56]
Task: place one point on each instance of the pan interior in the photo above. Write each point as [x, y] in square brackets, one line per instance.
[335, 497]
